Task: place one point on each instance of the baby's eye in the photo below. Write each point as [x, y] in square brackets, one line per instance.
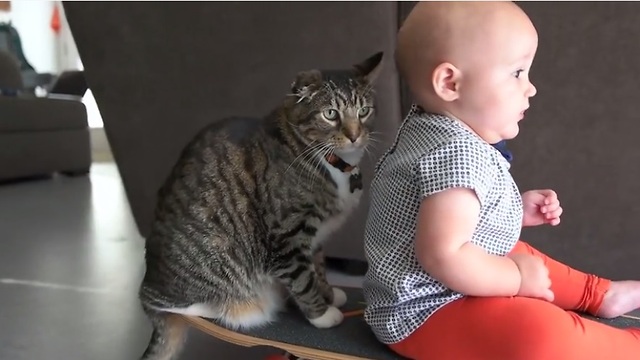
[518, 72]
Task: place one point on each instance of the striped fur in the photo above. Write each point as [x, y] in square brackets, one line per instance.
[240, 221]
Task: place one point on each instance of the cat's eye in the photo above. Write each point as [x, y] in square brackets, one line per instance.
[364, 111]
[330, 114]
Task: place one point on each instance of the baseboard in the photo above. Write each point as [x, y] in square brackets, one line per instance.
[100, 149]
[101, 157]
[347, 266]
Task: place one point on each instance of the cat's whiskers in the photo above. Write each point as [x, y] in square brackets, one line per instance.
[308, 150]
[368, 89]
[367, 151]
[310, 159]
[310, 156]
[373, 142]
[322, 154]
[314, 162]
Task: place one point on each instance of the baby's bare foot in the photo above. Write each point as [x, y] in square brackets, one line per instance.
[622, 297]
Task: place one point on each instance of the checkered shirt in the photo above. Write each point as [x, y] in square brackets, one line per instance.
[431, 153]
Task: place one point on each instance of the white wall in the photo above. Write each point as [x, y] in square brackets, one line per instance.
[32, 19]
[67, 52]
[47, 51]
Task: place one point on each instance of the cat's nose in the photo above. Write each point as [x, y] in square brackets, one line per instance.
[353, 135]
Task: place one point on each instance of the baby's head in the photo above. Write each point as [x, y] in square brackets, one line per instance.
[471, 61]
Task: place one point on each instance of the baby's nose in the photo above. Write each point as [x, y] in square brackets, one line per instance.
[532, 90]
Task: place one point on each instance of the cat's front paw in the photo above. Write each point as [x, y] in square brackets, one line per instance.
[339, 297]
[330, 318]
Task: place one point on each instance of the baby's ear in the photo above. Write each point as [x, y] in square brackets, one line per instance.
[370, 67]
[445, 80]
[306, 81]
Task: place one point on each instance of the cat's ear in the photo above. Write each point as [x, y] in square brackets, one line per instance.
[370, 67]
[306, 82]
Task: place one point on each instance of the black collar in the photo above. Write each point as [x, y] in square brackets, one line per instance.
[338, 163]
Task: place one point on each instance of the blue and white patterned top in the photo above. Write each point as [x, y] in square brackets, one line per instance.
[430, 154]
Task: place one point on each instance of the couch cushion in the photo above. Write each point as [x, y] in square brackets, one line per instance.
[44, 152]
[10, 77]
[41, 114]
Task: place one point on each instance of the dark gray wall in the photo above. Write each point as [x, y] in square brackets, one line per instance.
[160, 71]
[580, 136]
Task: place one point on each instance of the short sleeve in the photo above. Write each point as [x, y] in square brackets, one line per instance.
[458, 163]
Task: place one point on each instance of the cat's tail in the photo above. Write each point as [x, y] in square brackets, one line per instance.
[167, 338]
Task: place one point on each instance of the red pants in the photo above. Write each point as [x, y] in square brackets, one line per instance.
[520, 328]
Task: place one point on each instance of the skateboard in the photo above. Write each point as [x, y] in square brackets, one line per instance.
[351, 340]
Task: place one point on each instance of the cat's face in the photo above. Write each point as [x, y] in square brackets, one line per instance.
[334, 110]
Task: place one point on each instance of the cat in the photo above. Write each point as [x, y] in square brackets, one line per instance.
[240, 221]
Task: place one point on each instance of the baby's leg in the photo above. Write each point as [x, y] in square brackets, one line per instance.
[515, 328]
[572, 289]
[575, 290]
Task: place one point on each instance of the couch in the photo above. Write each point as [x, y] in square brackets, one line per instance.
[39, 136]
[161, 71]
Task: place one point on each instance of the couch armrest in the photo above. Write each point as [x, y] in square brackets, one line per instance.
[19, 114]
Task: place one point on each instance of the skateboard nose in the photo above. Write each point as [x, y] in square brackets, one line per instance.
[281, 357]
[276, 357]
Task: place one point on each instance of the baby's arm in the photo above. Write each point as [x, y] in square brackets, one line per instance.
[453, 184]
[446, 222]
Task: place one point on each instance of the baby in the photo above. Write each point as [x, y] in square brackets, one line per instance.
[448, 276]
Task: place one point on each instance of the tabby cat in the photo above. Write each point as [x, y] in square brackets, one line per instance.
[240, 222]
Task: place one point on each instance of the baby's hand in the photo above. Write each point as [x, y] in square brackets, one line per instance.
[535, 281]
[541, 207]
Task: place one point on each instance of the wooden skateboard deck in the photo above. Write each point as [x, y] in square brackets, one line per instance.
[351, 340]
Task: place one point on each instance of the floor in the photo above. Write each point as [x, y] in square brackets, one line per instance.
[70, 263]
